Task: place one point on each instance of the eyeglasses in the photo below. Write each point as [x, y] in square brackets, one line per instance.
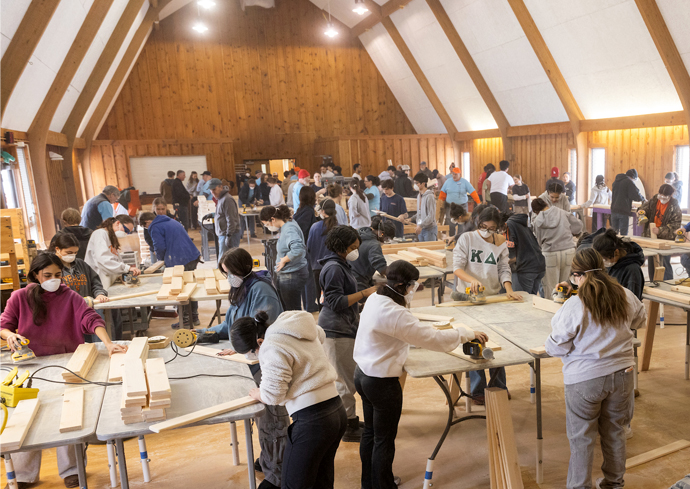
[484, 228]
[581, 274]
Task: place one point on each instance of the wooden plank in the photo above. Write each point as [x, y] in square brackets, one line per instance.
[219, 275]
[72, 415]
[157, 377]
[655, 244]
[18, 425]
[223, 286]
[164, 293]
[131, 296]
[545, 304]
[656, 453]
[212, 352]
[117, 361]
[167, 275]
[652, 316]
[665, 294]
[202, 414]
[176, 285]
[82, 359]
[135, 379]
[211, 286]
[188, 276]
[156, 266]
[431, 317]
[492, 299]
[178, 271]
[186, 291]
[506, 440]
[681, 289]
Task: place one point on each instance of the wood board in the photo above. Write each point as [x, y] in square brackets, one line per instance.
[680, 288]
[156, 266]
[545, 304]
[203, 414]
[212, 352]
[211, 286]
[176, 285]
[656, 453]
[167, 275]
[223, 286]
[431, 317]
[157, 378]
[164, 292]
[18, 425]
[492, 299]
[668, 295]
[117, 361]
[503, 453]
[188, 276]
[187, 291]
[655, 244]
[72, 417]
[134, 379]
[81, 362]
[178, 270]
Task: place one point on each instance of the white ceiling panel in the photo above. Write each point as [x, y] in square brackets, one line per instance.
[401, 81]
[512, 71]
[676, 13]
[342, 11]
[64, 109]
[444, 70]
[5, 43]
[11, 14]
[111, 71]
[606, 55]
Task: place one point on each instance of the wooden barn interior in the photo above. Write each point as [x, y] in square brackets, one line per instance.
[93, 90]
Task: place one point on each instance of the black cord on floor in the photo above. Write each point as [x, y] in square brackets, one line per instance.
[175, 349]
[211, 375]
[86, 381]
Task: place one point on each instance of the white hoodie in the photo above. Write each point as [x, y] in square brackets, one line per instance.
[295, 371]
[100, 257]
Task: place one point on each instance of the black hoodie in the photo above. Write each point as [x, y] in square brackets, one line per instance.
[371, 259]
[525, 248]
[83, 235]
[403, 185]
[624, 193]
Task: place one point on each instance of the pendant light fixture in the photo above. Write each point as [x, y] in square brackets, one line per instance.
[330, 32]
[360, 7]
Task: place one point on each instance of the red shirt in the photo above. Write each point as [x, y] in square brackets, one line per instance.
[660, 211]
[482, 177]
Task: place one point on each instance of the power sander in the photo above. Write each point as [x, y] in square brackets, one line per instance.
[680, 236]
[642, 218]
[563, 294]
[24, 353]
[477, 298]
[477, 351]
[130, 280]
[185, 338]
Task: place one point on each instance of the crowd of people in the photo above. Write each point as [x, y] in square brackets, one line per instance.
[329, 232]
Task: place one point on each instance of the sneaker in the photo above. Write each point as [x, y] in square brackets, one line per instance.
[478, 400]
[628, 432]
[257, 466]
[21, 485]
[71, 481]
[353, 433]
[175, 325]
[196, 322]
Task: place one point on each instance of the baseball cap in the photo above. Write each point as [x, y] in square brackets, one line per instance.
[554, 171]
[456, 170]
[214, 182]
[206, 173]
[422, 163]
[303, 174]
[405, 167]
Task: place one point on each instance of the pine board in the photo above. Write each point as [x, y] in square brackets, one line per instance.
[665, 294]
[431, 317]
[117, 361]
[156, 266]
[164, 293]
[656, 453]
[680, 288]
[223, 286]
[81, 361]
[218, 275]
[545, 304]
[187, 291]
[18, 425]
[188, 277]
[492, 299]
[167, 275]
[135, 380]
[178, 270]
[210, 285]
[176, 285]
[212, 352]
[72, 415]
[203, 414]
[157, 377]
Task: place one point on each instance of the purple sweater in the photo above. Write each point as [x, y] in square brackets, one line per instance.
[68, 319]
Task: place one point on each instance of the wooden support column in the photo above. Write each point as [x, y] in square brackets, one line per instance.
[38, 132]
[378, 15]
[22, 46]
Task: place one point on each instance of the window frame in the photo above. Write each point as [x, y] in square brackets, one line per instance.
[592, 173]
[684, 178]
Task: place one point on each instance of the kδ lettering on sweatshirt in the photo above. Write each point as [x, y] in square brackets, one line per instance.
[484, 261]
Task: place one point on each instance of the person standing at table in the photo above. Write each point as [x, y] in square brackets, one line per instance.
[525, 253]
[555, 172]
[593, 334]
[339, 316]
[302, 181]
[372, 193]
[275, 196]
[485, 185]
[600, 194]
[498, 184]
[316, 242]
[76, 274]
[387, 330]
[622, 259]
[249, 196]
[427, 229]
[55, 320]
[335, 193]
[570, 188]
[393, 205]
[455, 191]
[192, 184]
[227, 218]
[291, 271]
[181, 199]
[624, 192]
[521, 196]
[202, 186]
[306, 217]
[555, 196]
[663, 211]
[99, 208]
[371, 259]
[358, 206]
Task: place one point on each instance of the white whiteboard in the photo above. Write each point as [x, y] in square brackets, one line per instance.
[149, 171]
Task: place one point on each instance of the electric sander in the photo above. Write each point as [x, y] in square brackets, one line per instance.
[563, 294]
[680, 236]
[478, 351]
[130, 280]
[24, 353]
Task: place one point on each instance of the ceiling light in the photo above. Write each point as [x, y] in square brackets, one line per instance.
[206, 3]
[200, 28]
[360, 7]
[331, 32]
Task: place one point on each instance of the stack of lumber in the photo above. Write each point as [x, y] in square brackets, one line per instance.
[435, 258]
[393, 248]
[81, 362]
[654, 244]
[159, 390]
[504, 469]
[213, 281]
[178, 285]
[19, 424]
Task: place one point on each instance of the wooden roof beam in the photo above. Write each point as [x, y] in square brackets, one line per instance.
[22, 46]
[667, 50]
[370, 21]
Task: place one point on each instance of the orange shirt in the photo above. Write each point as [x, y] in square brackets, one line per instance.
[660, 211]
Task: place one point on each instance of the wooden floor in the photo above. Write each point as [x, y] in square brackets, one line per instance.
[200, 457]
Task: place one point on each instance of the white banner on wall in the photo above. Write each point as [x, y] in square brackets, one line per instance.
[149, 171]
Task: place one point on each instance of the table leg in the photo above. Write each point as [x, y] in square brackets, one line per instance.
[220, 315]
[531, 386]
[250, 452]
[9, 470]
[687, 347]
[112, 464]
[234, 444]
[249, 231]
[468, 387]
[433, 291]
[144, 456]
[540, 441]
[652, 314]
[121, 460]
[81, 466]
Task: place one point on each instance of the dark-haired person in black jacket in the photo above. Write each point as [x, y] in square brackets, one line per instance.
[622, 258]
[624, 193]
[526, 258]
[371, 259]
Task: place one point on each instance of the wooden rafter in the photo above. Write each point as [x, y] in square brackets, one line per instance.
[472, 70]
[370, 21]
[22, 46]
[667, 50]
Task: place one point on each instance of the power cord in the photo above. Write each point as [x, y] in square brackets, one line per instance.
[32, 377]
[176, 350]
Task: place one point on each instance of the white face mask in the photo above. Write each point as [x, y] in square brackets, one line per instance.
[352, 256]
[273, 229]
[51, 285]
[416, 187]
[234, 280]
[663, 199]
[120, 234]
[454, 221]
[251, 356]
[609, 263]
[68, 258]
[485, 233]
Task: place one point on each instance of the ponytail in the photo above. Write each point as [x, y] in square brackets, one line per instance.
[246, 332]
[607, 244]
[281, 212]
[357, 187]
[108, 226]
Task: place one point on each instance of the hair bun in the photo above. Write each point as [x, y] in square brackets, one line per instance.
[261, 317]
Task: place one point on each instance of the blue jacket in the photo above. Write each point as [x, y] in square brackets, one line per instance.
[337, 281]
[316, 245]
[291, 243]
[95, 211]
[171, 242]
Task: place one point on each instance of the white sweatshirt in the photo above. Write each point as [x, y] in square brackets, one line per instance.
[386, 331]
[295, 371]
[590, 350]
[99, 257]
[484, 261]
[598, 196]
[276, 196]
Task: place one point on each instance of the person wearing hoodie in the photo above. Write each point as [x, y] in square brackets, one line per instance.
[316, 242]
[358, 206]
[99, 208]
[403, 185]
[554, 178]
[480, 259]
[55, 320]
[554, 229]
[102, 252]
[662, 210]
[339, 316]
[166, 187]
[593, 334]
[306, 217]
[673, 179]
[387, 330]
[334, 192]
[76, 274]
[623, 259]
[227, 218]
[295, 373]
[426, 230]
[525, 253]
[249, 195]
[570, 188]
[71, 220]
[371, 259]
[555, 196]
[600, 194]
[292, 269]
[624, 192]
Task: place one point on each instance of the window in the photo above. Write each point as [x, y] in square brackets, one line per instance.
[597, 164]
[465, 168]
[572, 165]
[28, 194]
[683, 170]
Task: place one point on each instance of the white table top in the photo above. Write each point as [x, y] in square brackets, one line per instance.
[147, 284]
[44, 431]
[188, 395]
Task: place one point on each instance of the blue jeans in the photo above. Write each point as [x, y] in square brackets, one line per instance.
[685, 261]
[227, 242]
[666, 263]
[290, 286]
[478, 380]
[620, 222]
[527, 282]
[429, 234]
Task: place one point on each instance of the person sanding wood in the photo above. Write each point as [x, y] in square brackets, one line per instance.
[593, 334]
[480, 259]
[54, 319]
[664, 212]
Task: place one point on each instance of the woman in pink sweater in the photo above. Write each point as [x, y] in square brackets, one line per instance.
[55, 319]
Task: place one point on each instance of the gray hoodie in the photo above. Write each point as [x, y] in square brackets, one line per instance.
[426, 209]
[562, 203]
[590, 350]
[554, 229]
[227, 216]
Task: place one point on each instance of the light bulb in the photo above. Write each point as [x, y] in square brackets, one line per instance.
[200, 28]
[360, 10]
[206, 3]
[331, 32]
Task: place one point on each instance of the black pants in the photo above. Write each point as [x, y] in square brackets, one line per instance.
[313, 440]
[195, 214]
[317, 274]
[500, 200]
[382, 400]
[183, 215]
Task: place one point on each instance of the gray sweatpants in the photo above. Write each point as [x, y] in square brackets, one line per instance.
[27, 465]
[340, 352]
[598, 405]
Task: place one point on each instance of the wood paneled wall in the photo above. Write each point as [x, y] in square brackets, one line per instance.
[61, 184]
[110, 159]
[267, 78]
